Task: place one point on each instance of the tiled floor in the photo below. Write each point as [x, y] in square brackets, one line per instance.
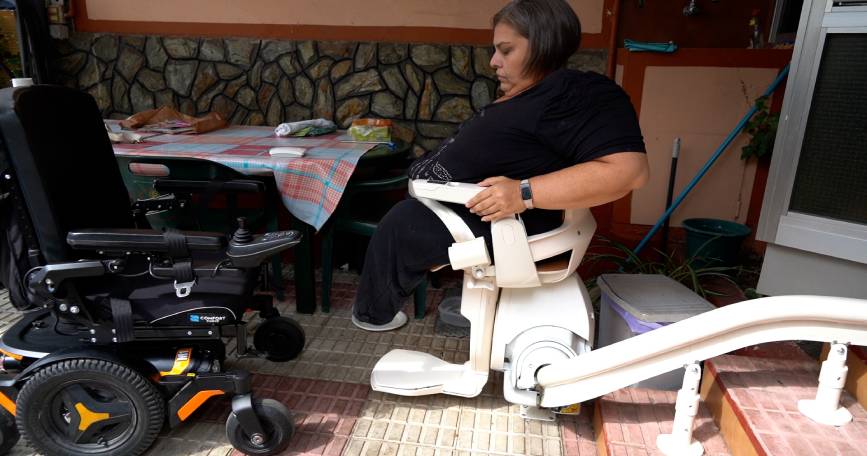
[336, 412]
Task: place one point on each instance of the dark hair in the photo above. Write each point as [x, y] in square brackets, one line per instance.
[551, 27]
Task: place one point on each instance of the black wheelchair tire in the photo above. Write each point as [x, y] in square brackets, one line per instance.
[279, 339]
[40, 392]
[8, 433]
[276, 420]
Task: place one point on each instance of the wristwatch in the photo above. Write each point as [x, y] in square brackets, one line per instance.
[526, 193]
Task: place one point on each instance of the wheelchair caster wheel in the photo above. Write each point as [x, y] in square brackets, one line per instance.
[89, 406]
[276, 421]
[8, 433]
[279, 338]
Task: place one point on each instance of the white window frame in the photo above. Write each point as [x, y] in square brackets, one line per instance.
[778, 224]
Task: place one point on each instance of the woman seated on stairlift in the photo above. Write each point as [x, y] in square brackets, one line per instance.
[555, 139]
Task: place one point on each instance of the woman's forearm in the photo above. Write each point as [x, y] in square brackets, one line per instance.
[592, 183]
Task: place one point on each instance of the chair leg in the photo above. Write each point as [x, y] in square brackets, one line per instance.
[420, 299]
[327, 271]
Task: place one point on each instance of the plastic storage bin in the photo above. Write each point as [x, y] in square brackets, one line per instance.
[632, 304]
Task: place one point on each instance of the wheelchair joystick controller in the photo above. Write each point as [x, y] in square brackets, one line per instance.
[242, 234]
[248, 251]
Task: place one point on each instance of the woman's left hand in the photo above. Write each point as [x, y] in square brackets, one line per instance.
[501, 199]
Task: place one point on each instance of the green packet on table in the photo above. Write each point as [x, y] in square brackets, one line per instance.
[371, 130]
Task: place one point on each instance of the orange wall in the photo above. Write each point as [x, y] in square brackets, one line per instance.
[465, 14]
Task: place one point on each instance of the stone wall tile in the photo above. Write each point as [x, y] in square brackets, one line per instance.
[181, 48]
[386, 105]
[351, 109]
[129, 62]
[213, 50]
[105, 47]
[482, 62]
[274, 115]
[307, 52]
[246, 97]
[102, 95]
[271, 73]
[365, 56]
[203, 104]
[411, 106]
[340, 69]
[255, 75]
[296, 112]
[430, 57]
[206, 77]
[119, 96]
[164, 98]
[272, 50]
[179, 75]
[462, 62]
[264, 95]
[414, 76]
[394, 80]
[390, 53]
[91, 73]
[141, 98]
[151, 80]
[337, 50]
[303, 90]
[235, 85]
[323, 101]
[224, 106]
[456, 109]
[227, 71]
[449, 84]
[241, 51]
[429, 99]
[289, 64]
[156, 54]
[285, 92]
[321, 68]
[135, 41]
[359, 84]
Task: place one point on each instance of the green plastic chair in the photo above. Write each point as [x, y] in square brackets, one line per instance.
[343, 221]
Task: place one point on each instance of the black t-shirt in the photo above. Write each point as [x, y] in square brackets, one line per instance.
[569, 117]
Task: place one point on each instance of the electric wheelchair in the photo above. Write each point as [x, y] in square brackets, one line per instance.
[124, 328]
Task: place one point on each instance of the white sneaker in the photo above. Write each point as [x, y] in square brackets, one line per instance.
[399, 320]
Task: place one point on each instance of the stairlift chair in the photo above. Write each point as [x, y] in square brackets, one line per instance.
[526, 310]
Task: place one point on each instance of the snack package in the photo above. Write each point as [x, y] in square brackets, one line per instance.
[373, 130]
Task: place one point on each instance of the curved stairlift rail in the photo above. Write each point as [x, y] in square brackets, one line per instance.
[815, 318]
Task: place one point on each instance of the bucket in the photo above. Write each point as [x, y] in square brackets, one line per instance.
[714, 242]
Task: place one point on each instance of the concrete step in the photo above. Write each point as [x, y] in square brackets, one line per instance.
[754, 402]
[627, 422]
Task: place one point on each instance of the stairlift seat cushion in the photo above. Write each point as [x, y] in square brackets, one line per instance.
[399, 320]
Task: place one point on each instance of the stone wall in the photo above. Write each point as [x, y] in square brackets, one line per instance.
[427, 89]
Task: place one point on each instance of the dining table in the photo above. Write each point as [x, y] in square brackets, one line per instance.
[310, 186]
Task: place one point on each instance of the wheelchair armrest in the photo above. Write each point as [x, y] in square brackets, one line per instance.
[148, 241]
[202, 186]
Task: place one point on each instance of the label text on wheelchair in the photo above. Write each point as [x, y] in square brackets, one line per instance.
[199, 318]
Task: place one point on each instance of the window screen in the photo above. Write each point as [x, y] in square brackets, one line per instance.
[831, 180]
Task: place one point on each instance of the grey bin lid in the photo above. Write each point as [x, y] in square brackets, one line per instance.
[653, 297]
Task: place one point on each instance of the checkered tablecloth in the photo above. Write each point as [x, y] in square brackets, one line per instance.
[310, 186]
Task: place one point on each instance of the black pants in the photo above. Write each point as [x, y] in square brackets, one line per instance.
[408, 242]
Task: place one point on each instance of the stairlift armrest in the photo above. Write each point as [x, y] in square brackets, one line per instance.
[449, 192]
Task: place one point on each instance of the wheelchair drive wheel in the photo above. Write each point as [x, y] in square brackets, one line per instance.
[279, 339]
[8, 433]
[89, 407]
[276, 421]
